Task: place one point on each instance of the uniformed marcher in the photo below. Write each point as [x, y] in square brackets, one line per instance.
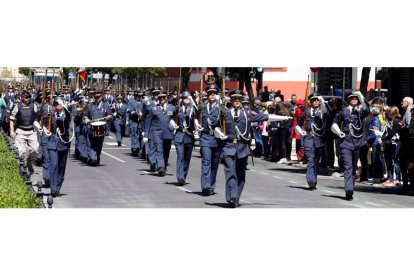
[161, 116]
[135, 124]
[313, 136]
[210, 146]
[119, 121]
[96, 115]
[236, 146]
[148, 137]
[23, 127]
[184, 135]
[348, 125]
[58, 144]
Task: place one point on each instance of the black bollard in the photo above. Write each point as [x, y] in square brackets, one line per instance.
[49, 201]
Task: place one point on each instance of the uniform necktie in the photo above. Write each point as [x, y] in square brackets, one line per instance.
[236, 114]
[162, 108]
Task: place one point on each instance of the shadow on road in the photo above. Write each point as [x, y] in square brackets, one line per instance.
[299, 187]
[379, 190]
[219, 204]
[301, 171]
[335, 196]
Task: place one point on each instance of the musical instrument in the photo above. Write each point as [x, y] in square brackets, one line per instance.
[98, 129]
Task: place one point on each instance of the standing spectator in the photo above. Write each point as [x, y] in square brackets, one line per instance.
[282, 132]
[265, 94]
[373, 140]
[300, 105]
[291, 107]
[391, 139]
[406, 144]
[279, 94]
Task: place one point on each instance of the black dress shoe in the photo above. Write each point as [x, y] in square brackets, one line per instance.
[152, 168]
[161, 173]
[119, 144]
[312, 186]
[55, 194]
[233, 203]
[205, 192]
[210, 192]
[181, 182]
[349, 195]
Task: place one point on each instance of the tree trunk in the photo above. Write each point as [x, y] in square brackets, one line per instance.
[364, 80]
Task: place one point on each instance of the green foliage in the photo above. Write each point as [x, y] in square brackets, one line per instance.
[13, 191]
[24, 70]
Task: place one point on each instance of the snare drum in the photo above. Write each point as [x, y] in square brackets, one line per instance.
[98, 129]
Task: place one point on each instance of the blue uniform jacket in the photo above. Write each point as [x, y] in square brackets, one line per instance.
[241, 148]
[357, 120]
[315, 137]
[180, 135]
[207, 138]
[61, 122]
[160, 121]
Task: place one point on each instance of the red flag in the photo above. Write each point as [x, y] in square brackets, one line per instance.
[82, 73]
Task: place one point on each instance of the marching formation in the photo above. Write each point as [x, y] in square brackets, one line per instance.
[227, 124]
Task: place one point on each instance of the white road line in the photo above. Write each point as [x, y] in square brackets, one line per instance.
[329, 192]
[263, 173]
[291, 181]
[245, 201]
[111, 143]
[120, 148]
[373, 204]
[277, 177]
[110, 137]
[116, 158]
[184, 189]
[253, 170]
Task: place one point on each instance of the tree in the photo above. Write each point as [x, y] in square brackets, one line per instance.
[25, 71]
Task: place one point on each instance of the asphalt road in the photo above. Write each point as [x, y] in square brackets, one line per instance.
[123, 181]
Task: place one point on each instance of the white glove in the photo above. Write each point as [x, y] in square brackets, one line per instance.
[197, 125]
[173, 125]
[219, 134]
[36, 126]
[277, 118]
[299, 131]
[361, 99]
[145, 140]
[335, 129]
[378, 133]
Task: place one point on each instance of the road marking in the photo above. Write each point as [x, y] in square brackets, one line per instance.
[120, 148]
[373, 204]
[116, 158]
[253, 170]
[278, 177]
[110, 137]
[184, 189]
[329, 192]
[245, 201]
[291, 181]
[263, 173]
[111, 143]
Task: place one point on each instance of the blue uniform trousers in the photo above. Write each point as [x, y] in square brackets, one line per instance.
[151, 150]
[136, 136]
[183, 159]
[234, 181]
[95, 148]
[312, 155]
[45, 158]
[57, 168]
[119, 129]
[162, 153]
[210, 159]
[350, 160]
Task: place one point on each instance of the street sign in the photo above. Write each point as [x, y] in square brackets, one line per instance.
[259, 69]
[208, 77]
[314, 69]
